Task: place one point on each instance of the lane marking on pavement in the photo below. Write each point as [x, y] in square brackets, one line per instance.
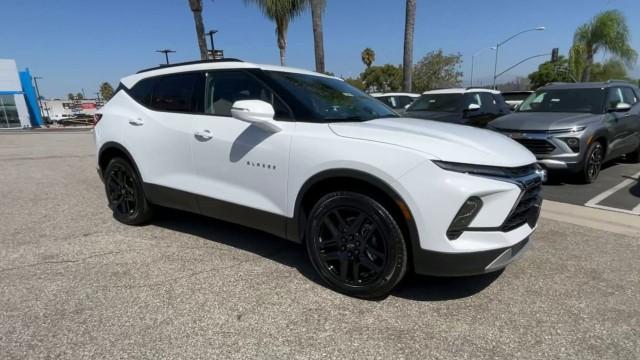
[594, 202]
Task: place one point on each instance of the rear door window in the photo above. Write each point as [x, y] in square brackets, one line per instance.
[182, 92]
[141, 91]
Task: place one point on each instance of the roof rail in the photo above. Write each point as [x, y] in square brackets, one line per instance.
[616, 81]
[190, 63]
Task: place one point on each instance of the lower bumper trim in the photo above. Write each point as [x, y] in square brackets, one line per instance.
[435, 263]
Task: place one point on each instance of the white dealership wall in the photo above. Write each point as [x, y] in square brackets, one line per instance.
[10, 86]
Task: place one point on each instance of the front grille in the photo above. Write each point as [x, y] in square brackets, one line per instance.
[528, 208]
[537, 146]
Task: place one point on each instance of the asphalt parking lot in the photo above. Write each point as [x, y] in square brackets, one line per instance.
[75, 284]
[617, 188]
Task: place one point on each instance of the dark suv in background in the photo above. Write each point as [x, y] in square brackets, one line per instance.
[577, 127]
[472, 106]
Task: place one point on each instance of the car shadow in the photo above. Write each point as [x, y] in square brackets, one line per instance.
[414, 287]
[635, 189]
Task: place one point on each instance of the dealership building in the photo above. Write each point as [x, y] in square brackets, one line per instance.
[18, 100]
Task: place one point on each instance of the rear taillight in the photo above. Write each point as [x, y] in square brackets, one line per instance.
[96, 118]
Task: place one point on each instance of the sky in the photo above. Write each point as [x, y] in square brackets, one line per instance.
[77, 44]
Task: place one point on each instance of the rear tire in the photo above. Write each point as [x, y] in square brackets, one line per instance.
[355, 245]
[592, 163]
[125, 193]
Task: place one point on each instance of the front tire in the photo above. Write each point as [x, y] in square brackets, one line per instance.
[592, 163]
[355, 245]
[125, 193]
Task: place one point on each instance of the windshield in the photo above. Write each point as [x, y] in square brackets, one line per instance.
[330, 99]
[437, 102]
[565, 100]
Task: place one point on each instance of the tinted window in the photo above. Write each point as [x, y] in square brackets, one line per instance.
[629, 96]
[515, 96]
[502, 104]
[327, 99]
[179, 92]
[437, 102]
[389, 100]
[405, 100]
[489, 103]
[565, 100]
[141, 91]
[226, 87]
[472, 98]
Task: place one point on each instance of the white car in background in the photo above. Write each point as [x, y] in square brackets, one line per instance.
[396, 100]
[312, 159]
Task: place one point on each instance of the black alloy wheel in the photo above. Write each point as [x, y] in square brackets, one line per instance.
[593, 162]
[124, 193]
[355, 245]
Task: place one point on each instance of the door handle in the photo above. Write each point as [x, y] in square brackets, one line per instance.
[136, 122]
[203, 135]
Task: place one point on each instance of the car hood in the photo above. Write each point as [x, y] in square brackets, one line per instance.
[451, 117]
[542, 121]
[443, 141]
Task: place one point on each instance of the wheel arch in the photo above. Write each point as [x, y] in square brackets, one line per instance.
[112, 149]
[352, 180]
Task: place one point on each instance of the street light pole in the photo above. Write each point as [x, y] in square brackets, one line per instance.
[495, 64]
[166, 54]
[473, 60]
[211, 33]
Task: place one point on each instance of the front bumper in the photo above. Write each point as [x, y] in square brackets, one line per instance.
[551, 151]
[464, 264]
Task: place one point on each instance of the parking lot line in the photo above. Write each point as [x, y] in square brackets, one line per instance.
[594, 203]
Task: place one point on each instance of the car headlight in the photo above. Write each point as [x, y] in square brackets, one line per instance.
[485, 170]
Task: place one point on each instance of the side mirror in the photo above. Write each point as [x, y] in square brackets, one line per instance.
[621, 107]
[256, 112]
[473, 107]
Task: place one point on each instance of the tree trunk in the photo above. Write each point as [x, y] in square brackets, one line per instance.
[407, 61]
[196, 8]
[318, 41]
[586, 72]
[281, 32]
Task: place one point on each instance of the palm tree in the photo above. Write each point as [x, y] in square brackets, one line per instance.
[407, 61]
[317, 8]
[607, 31]
[106, 91]
[196, 8]
[368, 57]
[70, 96]
[281, 12]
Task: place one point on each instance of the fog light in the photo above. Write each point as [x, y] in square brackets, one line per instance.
[574, 143]
[464, 217]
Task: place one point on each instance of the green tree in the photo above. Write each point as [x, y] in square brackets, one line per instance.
[106, 91]
[407, 57]
[436, 70]
[612, 69]
[79, 96]
[356, 82]
[368, 56]
[196, 8]
[382, 78]
[608, 32]
[281, 12]
[70, 96]
[317, 8]
[551, 72]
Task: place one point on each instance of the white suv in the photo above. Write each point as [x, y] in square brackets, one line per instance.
[312, 159]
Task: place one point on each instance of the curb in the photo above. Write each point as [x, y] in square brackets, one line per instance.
[615, 222]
